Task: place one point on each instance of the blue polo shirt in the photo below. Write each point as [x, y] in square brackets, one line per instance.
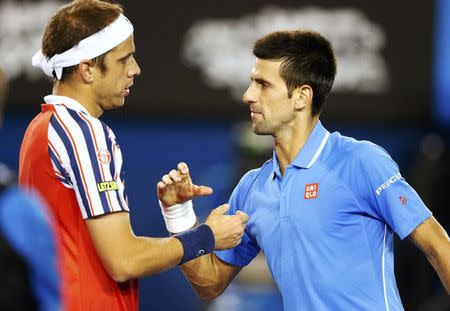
[327, 226]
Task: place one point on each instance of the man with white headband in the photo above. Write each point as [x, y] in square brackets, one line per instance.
[74, 161]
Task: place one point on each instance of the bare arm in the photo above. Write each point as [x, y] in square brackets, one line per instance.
[209, 276]
[127, 256]
[432, 239]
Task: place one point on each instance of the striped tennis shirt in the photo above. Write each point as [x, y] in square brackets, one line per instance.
[75, 162]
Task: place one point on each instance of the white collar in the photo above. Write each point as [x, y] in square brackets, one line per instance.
[66, 101]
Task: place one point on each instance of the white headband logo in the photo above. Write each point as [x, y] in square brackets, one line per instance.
[88, 48]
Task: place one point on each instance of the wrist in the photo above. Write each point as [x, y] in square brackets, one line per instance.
[179, 217]
[196, 242]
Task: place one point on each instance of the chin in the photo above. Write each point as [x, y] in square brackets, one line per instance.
[259, 131]
[118, 104]
[113, 106]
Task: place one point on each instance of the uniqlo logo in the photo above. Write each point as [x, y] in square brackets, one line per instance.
[311, 191]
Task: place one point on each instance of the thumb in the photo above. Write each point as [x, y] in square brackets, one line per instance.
[222, 209]
[202, 190]
[243, 216]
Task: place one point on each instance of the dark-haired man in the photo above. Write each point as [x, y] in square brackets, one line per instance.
[325, 208]
[74, 161]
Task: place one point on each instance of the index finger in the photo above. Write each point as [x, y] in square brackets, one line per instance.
[183, 168]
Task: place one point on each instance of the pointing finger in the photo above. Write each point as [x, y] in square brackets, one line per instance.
[183, 168]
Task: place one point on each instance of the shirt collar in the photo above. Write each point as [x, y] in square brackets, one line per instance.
[310, 151]
[66, 101]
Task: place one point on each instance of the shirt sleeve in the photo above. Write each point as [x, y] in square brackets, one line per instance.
[244, 253]
[385, 193]
[86, 157]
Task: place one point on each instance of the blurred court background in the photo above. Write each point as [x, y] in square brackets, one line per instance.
[392, 87]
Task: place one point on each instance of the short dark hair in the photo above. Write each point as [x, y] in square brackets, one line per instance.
[307, 58]
[74, 22]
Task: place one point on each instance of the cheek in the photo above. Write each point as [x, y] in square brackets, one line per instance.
[273, 102]
[114, 85]
[282, 109]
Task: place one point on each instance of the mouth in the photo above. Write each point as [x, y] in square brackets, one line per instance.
[126, 91]
[254, 113]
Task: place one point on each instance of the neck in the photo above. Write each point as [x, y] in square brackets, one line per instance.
[81, 94]
[291, 141]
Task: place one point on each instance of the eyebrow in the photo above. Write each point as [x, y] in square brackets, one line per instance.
[128, 55]
[261, 81]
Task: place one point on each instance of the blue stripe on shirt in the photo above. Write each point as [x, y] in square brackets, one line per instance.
[90, 144]
[58, 165]
[73, 162]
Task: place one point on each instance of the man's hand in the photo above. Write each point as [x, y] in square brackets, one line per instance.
[227, 229]
[177, 187]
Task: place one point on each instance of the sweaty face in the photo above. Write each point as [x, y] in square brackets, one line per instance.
[112, 86]
[271, 109]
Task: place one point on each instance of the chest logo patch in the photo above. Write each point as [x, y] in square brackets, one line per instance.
[311, 191]
[103, 156]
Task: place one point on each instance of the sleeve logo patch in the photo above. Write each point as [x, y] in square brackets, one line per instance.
[311, 191]
[403, 200]
[388, 182]
[107, 186]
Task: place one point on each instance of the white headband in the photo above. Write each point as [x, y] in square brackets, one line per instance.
[88, 48]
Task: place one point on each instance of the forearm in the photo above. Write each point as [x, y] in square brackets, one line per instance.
[205, 277]
[434, 241]
[147, 256]
[127, 256]
[440, 260]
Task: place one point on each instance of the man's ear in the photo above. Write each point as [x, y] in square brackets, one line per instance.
[302, 96]
[86, 70]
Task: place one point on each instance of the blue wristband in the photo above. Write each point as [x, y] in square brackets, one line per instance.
[196, 242]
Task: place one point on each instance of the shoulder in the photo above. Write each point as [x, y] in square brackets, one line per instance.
[352, 151]
[253, 174]
[16, 203]
[22, 212]
[14, 196]
[78, 125]
[249, 178]
[72, 118]
[354, 160]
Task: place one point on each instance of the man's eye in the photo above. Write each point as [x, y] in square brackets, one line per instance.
[124, 60]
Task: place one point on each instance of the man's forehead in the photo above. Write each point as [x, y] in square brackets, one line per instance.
[265, 67]
[125, 47]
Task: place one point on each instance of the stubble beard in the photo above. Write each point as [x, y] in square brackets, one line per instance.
[261, 129]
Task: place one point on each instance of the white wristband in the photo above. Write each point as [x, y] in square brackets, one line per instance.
[179, 217]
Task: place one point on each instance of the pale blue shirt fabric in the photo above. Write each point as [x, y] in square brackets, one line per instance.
[25, 224]
[333, 251]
